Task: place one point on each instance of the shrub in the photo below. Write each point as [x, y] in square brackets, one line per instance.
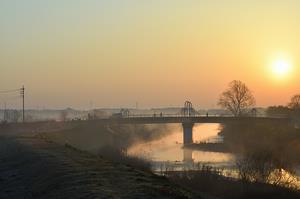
[120, 156]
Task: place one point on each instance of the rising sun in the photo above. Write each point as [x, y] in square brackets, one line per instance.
[281, 68]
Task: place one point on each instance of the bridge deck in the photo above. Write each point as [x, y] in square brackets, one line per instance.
[194, 119]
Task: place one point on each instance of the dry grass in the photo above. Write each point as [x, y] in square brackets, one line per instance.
[34, 168]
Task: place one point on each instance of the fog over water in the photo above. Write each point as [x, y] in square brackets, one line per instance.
[170, 147]
[167, 153]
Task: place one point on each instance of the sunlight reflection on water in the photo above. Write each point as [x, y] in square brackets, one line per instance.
[169, 148]
[167, 153]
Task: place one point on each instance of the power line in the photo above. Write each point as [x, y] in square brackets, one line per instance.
[15, 97]
[10, 91]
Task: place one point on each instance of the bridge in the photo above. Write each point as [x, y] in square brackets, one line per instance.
[187, 117]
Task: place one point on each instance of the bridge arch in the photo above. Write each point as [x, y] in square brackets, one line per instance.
[125, 112]
[188, 109]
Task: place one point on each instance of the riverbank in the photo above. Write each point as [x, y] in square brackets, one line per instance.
[32, 167]
[209, 147]
[209, 180]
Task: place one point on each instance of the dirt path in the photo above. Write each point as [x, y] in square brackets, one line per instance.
[31, 167]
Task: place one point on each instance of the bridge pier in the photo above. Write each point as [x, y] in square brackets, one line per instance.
[187, 133]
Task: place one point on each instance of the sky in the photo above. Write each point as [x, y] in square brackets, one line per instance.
[116, 53]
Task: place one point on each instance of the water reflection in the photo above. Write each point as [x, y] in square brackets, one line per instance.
[188, 156]
[170, 148]
[168, 153]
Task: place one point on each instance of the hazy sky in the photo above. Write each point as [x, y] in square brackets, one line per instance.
[114, 53]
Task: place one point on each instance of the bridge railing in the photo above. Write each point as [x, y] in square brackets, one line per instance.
[195, 115]
[175, 115]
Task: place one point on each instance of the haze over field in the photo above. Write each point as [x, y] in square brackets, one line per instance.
[157, 53]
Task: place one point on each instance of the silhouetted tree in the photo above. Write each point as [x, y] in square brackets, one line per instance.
[14, 116]
[63, 115]
[237, 98]
[295, 102]
[278, 111]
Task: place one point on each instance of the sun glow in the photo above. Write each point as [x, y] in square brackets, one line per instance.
[281, 68]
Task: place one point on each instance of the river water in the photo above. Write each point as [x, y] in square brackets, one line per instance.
[168, 151]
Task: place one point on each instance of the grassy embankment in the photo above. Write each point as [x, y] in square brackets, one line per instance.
[34, 165]
[34, 168]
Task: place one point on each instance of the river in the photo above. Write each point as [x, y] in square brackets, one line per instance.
[168, 151]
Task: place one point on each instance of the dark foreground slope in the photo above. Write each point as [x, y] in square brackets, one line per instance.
[32, 167]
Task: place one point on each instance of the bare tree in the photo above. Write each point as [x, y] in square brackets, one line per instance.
[237, 98]
[63, 115]
[14, 115]
[295, 102]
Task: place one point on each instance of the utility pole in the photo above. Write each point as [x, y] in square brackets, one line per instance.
[5, 114]
[23, 98]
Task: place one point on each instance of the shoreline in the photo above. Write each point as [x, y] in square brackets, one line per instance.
[209, 147]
